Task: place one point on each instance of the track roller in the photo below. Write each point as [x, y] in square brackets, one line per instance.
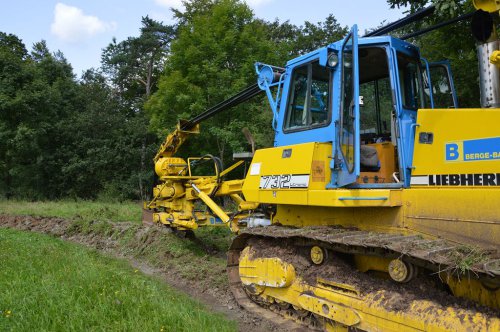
[318, 255]
[402, 271]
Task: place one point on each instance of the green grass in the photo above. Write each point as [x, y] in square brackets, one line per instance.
[465, 257]
[202, 260]
[85, 210]
[50, 285]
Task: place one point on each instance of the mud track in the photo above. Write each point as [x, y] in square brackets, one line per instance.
[111, 242]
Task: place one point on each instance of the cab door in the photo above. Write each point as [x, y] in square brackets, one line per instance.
[348, 144]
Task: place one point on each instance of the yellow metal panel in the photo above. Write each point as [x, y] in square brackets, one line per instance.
[366, 218]
[272, 161]
[277, 273]
[455, 126]
[467, 215]
[325, 308]
[310, 159]
[333, 197]
[298, 197]
[320, 166]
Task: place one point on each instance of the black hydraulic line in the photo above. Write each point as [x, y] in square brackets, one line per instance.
[437, 26]
[402, 22]
[242, 96]
[253, 90]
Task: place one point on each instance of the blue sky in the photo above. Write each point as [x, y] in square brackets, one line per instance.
[82, 28]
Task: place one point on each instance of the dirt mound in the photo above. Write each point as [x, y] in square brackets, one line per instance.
[146, 248]
[54, 226]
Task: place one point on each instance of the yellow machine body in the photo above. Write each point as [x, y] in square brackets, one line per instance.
[461, 213]
[435, 206]
[428, 209]
[457, 200]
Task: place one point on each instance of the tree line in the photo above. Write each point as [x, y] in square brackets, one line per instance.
[94, 136]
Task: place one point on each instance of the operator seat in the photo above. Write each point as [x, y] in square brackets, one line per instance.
[369, 159]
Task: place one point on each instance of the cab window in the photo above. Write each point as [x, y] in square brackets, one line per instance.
[309, 99]
[442, 93]
[410, 82]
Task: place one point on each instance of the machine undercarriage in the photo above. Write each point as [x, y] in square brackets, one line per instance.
[335, 291]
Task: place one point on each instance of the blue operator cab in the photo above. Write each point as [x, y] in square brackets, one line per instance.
[362, 95]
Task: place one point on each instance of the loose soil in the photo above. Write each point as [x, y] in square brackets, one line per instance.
[110, 241]
[391, 296]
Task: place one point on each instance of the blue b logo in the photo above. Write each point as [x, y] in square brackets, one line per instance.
[452, 152]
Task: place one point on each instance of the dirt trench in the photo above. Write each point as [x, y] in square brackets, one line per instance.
[135, 243]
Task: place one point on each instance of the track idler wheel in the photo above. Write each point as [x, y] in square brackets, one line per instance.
[254, 290]
[402, 271]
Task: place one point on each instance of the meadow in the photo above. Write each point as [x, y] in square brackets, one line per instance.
[48, 284]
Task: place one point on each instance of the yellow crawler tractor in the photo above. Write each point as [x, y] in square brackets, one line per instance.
[377, 208]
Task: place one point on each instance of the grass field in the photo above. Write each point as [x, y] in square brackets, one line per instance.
[50, 285]
[85, 210]
[203, 260]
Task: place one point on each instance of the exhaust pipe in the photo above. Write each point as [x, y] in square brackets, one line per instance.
[489, 75]
[487, 48]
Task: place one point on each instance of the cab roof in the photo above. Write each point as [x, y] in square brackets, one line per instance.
[398, 44]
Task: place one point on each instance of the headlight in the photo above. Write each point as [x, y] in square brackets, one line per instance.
[333, 59]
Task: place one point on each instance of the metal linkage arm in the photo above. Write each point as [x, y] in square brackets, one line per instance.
[185, 128]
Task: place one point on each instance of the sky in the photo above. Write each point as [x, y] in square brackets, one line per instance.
[82, 28]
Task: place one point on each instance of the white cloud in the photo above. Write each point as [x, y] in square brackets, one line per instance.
[177, 4]
[72, 25]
